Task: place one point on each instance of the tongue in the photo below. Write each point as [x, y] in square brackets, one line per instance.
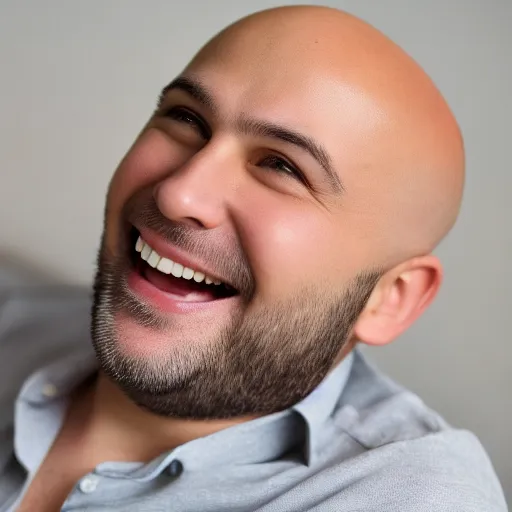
[186, 290]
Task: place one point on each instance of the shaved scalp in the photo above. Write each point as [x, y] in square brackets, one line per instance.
[412, 165]
[339, 257]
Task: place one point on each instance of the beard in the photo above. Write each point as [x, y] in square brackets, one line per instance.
[265, 360]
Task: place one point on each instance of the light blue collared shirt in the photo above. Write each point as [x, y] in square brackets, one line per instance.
[357, 442]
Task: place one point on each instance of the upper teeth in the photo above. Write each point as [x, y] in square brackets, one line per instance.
[167, 266]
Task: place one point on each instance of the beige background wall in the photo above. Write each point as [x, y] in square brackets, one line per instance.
[78, 80]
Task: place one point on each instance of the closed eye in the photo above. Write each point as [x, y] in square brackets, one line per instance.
[186, 116]
[282, 166]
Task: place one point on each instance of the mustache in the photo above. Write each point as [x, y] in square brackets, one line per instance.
[221, 252]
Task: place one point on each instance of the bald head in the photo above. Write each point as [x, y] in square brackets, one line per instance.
[310, 165]
[392, 134]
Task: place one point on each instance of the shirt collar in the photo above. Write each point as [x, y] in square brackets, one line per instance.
[59, 378]
[319, 405]
[42, 401]
[256, 441]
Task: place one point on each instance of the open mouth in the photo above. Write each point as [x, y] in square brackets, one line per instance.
[176, 281]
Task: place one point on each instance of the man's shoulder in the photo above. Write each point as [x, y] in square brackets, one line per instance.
[406, 456]
[42, 316]
[38, 324]
[446, 471]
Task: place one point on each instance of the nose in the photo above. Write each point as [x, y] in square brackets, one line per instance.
[197, 192]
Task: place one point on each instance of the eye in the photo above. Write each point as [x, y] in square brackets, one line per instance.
[282, 166]
[187, 117]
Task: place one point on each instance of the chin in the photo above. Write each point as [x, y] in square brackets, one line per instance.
[152, 298]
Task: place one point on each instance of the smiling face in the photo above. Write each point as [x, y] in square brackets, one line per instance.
[256, 172]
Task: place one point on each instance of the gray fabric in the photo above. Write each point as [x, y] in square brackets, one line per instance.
[359, 442]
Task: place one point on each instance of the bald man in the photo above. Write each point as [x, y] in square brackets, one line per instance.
[279, 208]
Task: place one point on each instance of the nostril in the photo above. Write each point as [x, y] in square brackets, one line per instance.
[195, 223]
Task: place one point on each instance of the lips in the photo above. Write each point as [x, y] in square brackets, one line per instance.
[168, 284]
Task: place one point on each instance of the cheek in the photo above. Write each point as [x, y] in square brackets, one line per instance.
[148, 161]
[289, 245]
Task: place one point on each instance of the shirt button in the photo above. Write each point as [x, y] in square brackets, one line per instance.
[175, 468]
[49, 390]
[89, 483]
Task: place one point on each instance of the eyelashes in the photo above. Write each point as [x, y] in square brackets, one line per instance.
[271, 161]
[186, 116]
[282, 166]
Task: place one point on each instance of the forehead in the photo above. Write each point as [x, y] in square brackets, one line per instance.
[333, 109]
[347, 110]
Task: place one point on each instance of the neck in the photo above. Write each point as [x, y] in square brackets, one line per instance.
[109, 426]
[117, 429]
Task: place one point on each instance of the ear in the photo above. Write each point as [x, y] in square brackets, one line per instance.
[398, 299]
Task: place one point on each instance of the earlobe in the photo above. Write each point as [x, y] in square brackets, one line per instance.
[399, 298]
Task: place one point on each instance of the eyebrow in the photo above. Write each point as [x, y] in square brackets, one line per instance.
[193, 88]
[250, 126]
[267, 129]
